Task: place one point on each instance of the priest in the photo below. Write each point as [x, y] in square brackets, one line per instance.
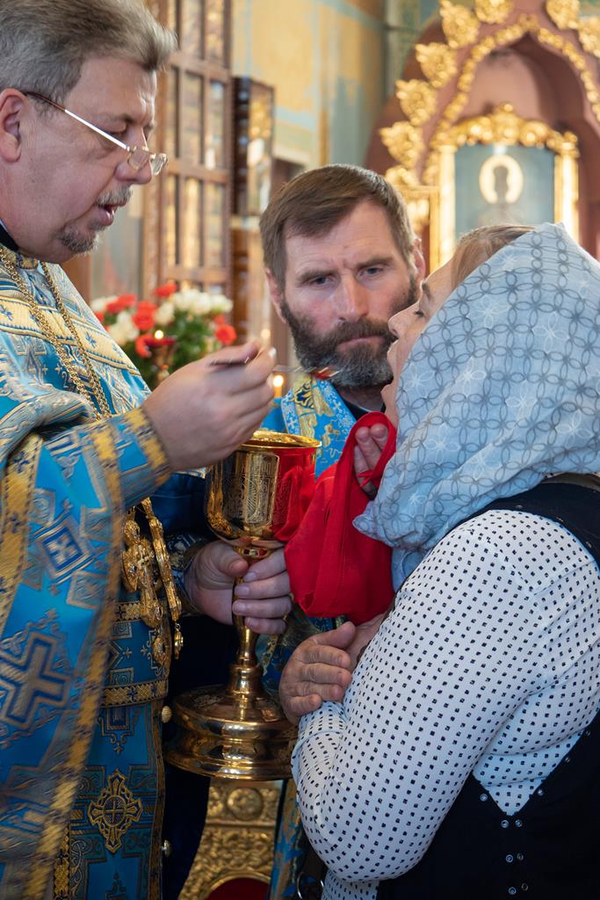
[89, 603]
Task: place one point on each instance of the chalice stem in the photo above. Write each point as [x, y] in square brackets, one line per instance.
[245, 678]
[247, 637]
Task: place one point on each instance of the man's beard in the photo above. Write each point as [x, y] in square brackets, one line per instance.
[362, 366]
[79, 243]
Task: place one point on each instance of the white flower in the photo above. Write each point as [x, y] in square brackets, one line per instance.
[184, 299]
[117, 334]
[165, 313]
[200, 304]
[220, 304]
[124, 329]
[100, 303]
[181, 300]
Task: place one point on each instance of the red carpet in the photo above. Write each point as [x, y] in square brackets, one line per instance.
[240, 889]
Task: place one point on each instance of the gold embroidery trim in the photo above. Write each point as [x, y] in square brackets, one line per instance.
[140, 692]
[62, 869]
[148, 440]
[17, 493]
[68, 780]
[129, 612]
[115, 811]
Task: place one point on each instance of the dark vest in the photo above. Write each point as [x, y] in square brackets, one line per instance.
[550, 849]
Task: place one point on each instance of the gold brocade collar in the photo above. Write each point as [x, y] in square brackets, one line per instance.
[22, 262]
[16, 257]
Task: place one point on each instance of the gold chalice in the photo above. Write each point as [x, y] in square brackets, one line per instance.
[256, 500]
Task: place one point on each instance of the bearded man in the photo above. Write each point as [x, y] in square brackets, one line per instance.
[341, 259]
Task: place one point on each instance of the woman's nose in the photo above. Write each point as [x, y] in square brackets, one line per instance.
[395, 323]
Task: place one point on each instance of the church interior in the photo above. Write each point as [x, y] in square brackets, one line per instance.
[477, 111]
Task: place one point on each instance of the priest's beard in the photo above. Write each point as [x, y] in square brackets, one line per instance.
[362, 366]
[78, 242]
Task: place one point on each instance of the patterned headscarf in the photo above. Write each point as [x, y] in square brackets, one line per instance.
[500, 391]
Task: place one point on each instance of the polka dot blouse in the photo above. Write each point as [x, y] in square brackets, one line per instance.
[490, 663]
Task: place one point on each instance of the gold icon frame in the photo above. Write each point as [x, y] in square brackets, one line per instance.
[503, 126]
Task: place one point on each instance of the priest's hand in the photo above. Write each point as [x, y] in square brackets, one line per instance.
[321, 667]
[263, 598]
[203, 411]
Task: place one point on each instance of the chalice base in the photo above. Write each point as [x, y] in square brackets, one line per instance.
[233, 733]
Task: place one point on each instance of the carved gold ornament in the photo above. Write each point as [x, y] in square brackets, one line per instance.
[577, 60]
[237, 841]
[589, 35]
[438, 62]
[504, 126]
[245, 803]
[525, 24]
[115, 811]
[417, 100]
[401, 177]
[404, 142]
[493, 11]
[461, 26]
[564, 13]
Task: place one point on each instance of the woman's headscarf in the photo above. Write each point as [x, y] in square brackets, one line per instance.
[500, 391]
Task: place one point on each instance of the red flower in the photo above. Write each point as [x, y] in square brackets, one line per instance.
[226, 334]
[141, 347]
[165, 290]
[220, 319]
[144, 317]
[100, 317]
[125, 301]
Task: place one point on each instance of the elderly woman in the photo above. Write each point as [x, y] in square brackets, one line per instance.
[462, 760]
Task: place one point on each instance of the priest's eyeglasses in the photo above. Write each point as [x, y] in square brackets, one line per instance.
[137, 158]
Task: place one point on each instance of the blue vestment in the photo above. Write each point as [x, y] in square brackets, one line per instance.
[81, 776]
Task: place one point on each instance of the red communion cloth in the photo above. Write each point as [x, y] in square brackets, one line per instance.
[334, 569]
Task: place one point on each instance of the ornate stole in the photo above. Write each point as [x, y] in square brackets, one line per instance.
[315, 409]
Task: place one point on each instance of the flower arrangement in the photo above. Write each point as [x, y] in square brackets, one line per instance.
[189, 323]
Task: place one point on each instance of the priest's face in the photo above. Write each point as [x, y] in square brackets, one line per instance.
[341, 288]
[73, 180]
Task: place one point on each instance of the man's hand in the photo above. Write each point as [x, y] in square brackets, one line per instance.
[321, 667]
[263, 598]
[203, 412]
[370, 443]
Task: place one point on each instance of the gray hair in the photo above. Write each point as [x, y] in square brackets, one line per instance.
[44, 43]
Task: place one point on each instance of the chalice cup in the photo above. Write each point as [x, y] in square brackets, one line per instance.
[256, 500]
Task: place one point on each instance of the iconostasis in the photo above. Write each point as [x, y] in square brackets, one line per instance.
[496, 119]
